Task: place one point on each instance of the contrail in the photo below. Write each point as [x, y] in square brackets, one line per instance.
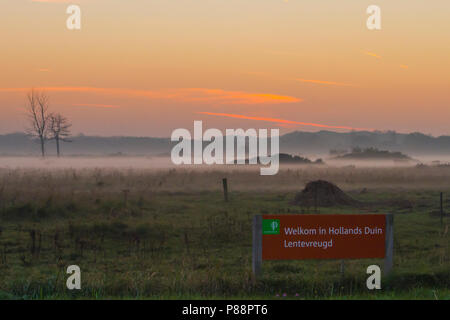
[284, 121]
[327, 82]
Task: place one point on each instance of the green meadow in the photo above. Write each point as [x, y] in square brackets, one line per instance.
[169, 234]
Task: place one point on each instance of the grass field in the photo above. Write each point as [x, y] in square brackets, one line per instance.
[168, 234]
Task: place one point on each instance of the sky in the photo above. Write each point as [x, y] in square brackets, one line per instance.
[146, 68]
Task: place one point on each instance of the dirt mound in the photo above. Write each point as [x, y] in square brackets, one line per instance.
[322, 193]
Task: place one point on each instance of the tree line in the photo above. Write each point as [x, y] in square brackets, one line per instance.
[44, 125]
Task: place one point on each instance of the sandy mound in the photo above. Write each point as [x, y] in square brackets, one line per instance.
[322, 193]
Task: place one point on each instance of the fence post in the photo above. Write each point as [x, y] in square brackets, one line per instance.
[225, 189]
[442, 209]
[257, 246]
[389, 245]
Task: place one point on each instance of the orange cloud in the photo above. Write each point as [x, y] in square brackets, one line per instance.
[327, 82]
[229, 97]
[200, 95]
[283, 121]
[372, 54]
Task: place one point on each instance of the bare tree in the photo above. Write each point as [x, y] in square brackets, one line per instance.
[59, 129]
[38, 117]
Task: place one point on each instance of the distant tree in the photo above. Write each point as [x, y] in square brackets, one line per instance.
[37, 110]
[59, 129]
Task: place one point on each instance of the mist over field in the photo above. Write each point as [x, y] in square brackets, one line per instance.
[166, 177]
[164, 162]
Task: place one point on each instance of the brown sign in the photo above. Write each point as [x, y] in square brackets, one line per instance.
[338, 236]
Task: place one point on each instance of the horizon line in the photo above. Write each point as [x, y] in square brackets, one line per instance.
[81, 134]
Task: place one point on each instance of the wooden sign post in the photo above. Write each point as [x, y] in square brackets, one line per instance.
[389, 244]
[343, 236]
[257, 246]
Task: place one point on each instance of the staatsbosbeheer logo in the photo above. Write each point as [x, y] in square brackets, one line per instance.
[271, 226]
